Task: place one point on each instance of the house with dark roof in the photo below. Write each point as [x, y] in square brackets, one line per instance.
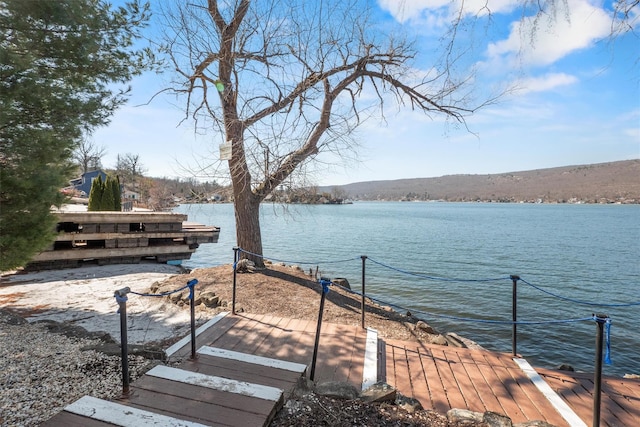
[83, 184]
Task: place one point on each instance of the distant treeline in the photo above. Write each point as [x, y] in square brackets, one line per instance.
[614, 182]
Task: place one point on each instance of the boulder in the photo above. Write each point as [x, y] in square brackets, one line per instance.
[177, 297]
[422, 326]
[565, 367]
[245, 266]
[493, 419]
[341, 281]
[438, 340]
[409, 404]
[209, 299]
[379, 392]
[463, 417]
[337, 390]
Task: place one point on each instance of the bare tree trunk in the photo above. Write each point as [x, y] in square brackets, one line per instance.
[246, 203]
[248, 236]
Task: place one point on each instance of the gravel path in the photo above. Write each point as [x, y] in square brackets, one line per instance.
[42, 372]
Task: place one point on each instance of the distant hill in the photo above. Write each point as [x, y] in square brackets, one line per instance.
[597, 183]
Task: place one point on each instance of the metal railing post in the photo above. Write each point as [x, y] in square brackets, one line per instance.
[192, 297]
[121, 298]
[235, 264]
[362, 305]
[600, 319]
[325, 290]
[514, 314]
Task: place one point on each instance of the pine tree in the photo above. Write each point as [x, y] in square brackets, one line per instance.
[61, 63]
[117, 194]
[95, 195]
[107, 200]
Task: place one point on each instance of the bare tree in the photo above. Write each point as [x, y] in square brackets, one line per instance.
[129, 168]
[88, 155]
[283, 80]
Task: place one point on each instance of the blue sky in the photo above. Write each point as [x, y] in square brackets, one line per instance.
[577, 102]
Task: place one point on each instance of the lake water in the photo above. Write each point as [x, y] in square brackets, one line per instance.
[586, 253]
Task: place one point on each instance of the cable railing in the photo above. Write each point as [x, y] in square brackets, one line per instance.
[603, 321]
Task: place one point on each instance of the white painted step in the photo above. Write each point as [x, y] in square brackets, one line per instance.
[370, 367]
[186, 340]
[217, 383]
[565, 410]
[122, 415]
[250, 358]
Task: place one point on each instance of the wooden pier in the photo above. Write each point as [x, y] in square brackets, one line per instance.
[122, 237]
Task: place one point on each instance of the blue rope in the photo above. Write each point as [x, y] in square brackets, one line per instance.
[191, 285]
[578, 301]
[443, 279]
[465, 319]
[607, 335]
[161, 294]
[299, 262]
[120, 299]
[325, 285]
[503, 322]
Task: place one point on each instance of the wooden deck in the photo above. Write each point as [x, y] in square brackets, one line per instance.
[264, 351]
[340, 354]
[442, 378]
[620, 398]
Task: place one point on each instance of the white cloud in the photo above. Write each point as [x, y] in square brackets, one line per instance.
[409, 10]
[545, 83]
[419, 11]
[535, 40]
[543, 40]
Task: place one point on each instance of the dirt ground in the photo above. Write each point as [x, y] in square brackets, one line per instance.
[287, 291]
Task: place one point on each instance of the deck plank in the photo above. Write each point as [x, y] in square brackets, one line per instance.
[520, 386]
[451, 388]
[437, 392]
[199, 404]
[464, 379]
[67, 419]
[617, 408]
[208, 336]
[242, 371]
[418, 378]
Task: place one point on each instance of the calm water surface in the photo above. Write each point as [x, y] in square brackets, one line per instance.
[581, 252]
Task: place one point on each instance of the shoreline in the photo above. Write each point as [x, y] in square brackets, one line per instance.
[84, 297]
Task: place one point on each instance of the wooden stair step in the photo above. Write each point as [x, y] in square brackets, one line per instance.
[122, 415]
[217, 383]
[253, 359]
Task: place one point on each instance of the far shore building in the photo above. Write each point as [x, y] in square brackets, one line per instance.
[83, 184]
